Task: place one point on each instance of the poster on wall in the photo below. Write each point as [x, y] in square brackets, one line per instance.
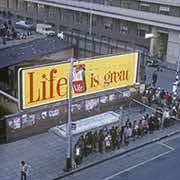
[53, 113]
[11, 124]
[103, 99]
[77, 107]
[17, 122]
[126, 93]
[44, 115]
[31, 119]
[24, 118]
[91, 104]
[112, 97]
[28, 120]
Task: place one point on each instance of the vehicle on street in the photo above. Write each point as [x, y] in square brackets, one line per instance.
[152, 62]
[45, 29]
[24, 25]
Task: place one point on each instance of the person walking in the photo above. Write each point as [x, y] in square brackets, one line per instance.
[154, 78]
[24, 170]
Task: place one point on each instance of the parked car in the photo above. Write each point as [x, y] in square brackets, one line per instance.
[45, 29]
[24, 25]
[152, 62]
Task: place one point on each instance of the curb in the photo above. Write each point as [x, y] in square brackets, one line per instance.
[118, 154]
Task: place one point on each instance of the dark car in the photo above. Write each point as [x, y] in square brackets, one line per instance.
[152, 62]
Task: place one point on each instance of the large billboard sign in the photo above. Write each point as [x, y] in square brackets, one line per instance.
[46, 84]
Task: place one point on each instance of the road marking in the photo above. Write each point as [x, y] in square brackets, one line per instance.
[165, 145]
[139, 164]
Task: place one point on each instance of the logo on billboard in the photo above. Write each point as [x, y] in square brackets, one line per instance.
[79, 82]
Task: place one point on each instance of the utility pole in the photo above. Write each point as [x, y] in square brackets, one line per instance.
[69, 124]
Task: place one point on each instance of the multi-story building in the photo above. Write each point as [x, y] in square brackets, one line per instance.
[120, 21]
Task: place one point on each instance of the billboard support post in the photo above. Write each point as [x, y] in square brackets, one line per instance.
[69, 123]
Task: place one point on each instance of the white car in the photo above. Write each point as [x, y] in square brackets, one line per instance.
[45, 29]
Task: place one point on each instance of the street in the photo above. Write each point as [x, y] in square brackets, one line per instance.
[165, 78]
[158, 161]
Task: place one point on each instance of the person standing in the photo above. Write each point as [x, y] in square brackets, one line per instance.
[78, 156]
[154, 78]
[165, 118]
[24, 170]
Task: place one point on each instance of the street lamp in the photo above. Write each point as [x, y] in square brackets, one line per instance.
[69, 124]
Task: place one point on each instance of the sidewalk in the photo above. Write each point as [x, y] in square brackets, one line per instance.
[16, 42]
[46, 153]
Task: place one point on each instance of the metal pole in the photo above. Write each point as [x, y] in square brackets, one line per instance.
[69, 124]
[90, 22]
[120, 117]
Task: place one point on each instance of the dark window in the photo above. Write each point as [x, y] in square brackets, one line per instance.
[144, 7]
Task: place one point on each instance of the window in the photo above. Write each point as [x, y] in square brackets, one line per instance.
[164, 10]
[142, 29]
[125, 3]
[107, 2]
[68, 15]
[41, 6]
[20, 4]
[30, 6]
[144, 7]
[78, 16]
[94, 20]
[124, 29]
[108, 24]
[52, 12]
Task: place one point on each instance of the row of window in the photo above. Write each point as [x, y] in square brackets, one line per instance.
[143, 6]
[83, 18]
[123, 27]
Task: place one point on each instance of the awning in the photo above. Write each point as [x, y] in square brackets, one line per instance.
[87, 124]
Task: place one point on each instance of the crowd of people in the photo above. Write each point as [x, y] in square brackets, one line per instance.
[109, 139]
[7, 31]
[163, 99]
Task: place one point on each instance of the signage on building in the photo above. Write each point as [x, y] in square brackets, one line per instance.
[46, 84]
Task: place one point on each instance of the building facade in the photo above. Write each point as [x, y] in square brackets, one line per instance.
[123, 23]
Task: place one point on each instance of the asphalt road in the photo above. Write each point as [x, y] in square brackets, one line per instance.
[165, 79]
[159, 161]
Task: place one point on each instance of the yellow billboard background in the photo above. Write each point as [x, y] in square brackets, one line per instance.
[47, 84]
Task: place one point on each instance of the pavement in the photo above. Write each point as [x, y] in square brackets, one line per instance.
[46, 153]
[155, 161]
[16, 42]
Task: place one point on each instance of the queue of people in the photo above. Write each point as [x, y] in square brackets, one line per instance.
[109, 139]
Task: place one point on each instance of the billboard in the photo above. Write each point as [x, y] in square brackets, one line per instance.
[46, 84]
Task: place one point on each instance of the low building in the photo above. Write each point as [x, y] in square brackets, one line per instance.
[39, 51]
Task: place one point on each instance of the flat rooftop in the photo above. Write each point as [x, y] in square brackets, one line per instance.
[35, 46]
